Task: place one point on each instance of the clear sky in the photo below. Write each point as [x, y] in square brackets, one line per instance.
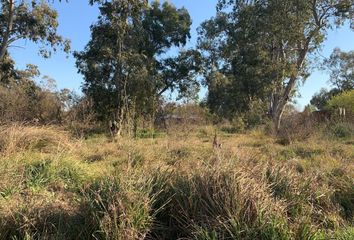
[76, 17]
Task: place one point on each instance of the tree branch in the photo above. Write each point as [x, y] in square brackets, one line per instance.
[9, 27]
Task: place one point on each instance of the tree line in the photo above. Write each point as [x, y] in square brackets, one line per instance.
[252, 56]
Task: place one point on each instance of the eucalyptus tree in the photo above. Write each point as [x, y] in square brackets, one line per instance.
[321, 98]
[264, 47]
[341, 68]
[31, 20]
[125, 64]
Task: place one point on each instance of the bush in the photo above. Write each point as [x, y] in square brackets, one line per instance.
[24, 101]
[256, 115]
[341, 129]
[296, 127]
[147, 133]
[344, 100]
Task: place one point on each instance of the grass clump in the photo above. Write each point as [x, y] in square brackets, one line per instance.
[37, 174]
[216, 205]
[343, 195]
[15, 138]
[119, 210]
[340, 130]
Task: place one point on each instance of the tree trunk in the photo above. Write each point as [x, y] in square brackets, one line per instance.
[279, 105]
[6, 37]
[277, 115]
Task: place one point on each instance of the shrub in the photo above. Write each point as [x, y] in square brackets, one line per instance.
[341, 129]
[344, 100]
[147, 133]
[256, 115]
[296, 127]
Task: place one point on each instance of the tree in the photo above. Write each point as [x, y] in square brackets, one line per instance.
[320, 99]
[344, 100]
[32, 20]
[124, 63]
[264, 46]
[341, 68]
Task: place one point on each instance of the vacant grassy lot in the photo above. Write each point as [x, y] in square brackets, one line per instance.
[174, 186]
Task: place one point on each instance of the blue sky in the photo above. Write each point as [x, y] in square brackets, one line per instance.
[76, 17]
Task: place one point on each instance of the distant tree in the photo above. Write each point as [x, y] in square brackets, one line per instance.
[344, 100]
[263, 47]
[124, 64]
[309, 108]
[341, 68]
[320, 99]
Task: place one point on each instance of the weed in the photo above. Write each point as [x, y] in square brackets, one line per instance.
[340, 130]
[38, 174]
[134, 189]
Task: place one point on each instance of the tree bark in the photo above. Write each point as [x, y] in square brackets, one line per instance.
[278, 108]
[9, 28]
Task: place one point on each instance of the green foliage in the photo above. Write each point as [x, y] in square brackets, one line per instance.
[344, 100]
[340, 65]
[29, 20]
[24, 100]
[257, 50]
[340, 130]
[148, 133]
[123, 64]
[344, 234]
[113, 213]
[38, 174]
[320, 99]
[212, 205]
[179, 190]
[344, 194]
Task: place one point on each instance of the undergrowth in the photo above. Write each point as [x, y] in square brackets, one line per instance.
[174, 187]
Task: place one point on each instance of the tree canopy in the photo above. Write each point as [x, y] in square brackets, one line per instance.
[252, 56]
[341, 69]
[262, 49]
[125, 65]
[340, 65]
[344, 100]
[32, 20]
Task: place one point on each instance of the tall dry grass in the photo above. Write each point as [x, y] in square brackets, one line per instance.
[17, 138]
[173, 187]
